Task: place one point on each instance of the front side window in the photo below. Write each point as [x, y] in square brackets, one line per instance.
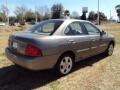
[74, 29]
[91, 29]
[46, 27]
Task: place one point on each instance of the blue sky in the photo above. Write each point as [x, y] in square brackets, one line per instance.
[73, 5]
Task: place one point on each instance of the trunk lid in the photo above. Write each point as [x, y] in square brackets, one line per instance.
[18, 42]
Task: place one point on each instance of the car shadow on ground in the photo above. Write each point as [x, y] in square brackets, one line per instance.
[13, 77]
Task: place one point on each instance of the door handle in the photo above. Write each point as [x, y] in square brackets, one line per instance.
[72, 41]
[93, 39]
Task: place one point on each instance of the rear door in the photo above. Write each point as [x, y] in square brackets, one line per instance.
[78, 40]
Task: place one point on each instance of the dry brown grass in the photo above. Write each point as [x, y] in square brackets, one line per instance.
[96, 73]
[14, 28]
[110, 26]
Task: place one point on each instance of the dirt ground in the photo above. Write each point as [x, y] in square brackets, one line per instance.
[96, 73]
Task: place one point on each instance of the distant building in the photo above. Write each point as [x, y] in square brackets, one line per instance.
[118, 12]
[66, 17]
[66, 14]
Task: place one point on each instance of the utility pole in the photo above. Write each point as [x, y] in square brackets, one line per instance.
[7, 16]
[98, 18]
[36, 16]
[35, 7]
[110, 16]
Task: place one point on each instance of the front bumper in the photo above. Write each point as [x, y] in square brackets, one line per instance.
[39, 63]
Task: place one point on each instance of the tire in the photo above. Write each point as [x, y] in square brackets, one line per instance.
[64, 65]
[109, 50]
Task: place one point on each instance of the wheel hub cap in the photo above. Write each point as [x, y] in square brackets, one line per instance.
[66, 65]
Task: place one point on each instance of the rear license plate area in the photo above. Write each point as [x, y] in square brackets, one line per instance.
[14, 45]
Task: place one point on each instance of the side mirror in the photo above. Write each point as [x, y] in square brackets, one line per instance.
[102, 33]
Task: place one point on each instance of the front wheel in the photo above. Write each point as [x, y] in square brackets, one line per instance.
[110, 49]
[64, 65]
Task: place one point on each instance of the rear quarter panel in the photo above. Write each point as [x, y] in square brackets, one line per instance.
[53, 45]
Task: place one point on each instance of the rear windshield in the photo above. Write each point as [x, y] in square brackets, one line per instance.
[47, 27]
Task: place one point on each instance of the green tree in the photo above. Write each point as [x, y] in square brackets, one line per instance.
[2, 17]
[91, 16]
[29, 16]
[83, 17]
[12, 18]
[57, 11]
[103, 17]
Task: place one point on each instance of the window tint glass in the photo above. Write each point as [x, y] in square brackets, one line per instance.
[68, 31]
[49, 27]
[91, 29]
[74, 29]
[46, 27]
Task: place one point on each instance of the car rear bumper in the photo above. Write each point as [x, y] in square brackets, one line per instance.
[39, 63]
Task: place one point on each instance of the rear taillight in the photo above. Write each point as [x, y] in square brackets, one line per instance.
[33, 51]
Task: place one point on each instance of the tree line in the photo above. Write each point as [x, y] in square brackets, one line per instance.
[39, 13]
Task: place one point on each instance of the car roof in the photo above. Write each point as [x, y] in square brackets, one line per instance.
[70, 20]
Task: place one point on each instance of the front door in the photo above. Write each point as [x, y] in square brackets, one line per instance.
[97, 42]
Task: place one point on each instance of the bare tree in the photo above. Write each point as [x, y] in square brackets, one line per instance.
[41, 12]
[5, 11]
[46, 13]
[20, 12]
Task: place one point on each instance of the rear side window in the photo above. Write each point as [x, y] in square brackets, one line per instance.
[74, 29]
[91, 29]
[47, 27]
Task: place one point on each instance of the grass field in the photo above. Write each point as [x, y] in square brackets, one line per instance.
[96, 73]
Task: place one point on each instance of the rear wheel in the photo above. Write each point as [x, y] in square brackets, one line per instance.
[64, 64]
